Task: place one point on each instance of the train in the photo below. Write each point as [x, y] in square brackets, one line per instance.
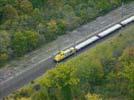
[63, 54]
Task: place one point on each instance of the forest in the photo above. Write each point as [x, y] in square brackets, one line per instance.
[93, 75]
[25, 25]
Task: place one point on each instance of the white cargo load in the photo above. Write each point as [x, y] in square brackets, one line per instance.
[109, 30]
[127, 21]
[87, 42]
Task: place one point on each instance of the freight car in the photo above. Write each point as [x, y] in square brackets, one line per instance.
[70, 51]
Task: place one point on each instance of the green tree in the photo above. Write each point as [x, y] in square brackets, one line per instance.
[25, 6]
[38, 3]
[61, 27]
[4, 41]
[10, 12]
[32, 39]
[4, 46]
[63, 78]
[51, 30]
[19, 43]
[41, 95]
[127, 60]
[90, 73]
[23, 42]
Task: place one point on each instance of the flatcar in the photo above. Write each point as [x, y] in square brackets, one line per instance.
[64, 54]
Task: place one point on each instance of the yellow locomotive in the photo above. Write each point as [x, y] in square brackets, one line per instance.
[64, 54]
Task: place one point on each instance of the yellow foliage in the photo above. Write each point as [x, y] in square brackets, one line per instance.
[52, 25]
[3, 56]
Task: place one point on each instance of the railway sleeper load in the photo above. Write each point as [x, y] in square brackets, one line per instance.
[72, 50]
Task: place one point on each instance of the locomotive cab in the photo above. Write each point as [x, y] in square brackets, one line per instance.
[59, 56]
[64, 54]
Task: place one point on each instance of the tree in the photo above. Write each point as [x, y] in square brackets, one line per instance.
[38, 3]
[41, 95]
[90, 73]
[19, 43]
[4, 46]
[61, 27]
[25, 6]
[51, 30]
[23, 42]
[32, 39]
[4, 41]
[10, 12]
[63, 78]
[127, 61]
